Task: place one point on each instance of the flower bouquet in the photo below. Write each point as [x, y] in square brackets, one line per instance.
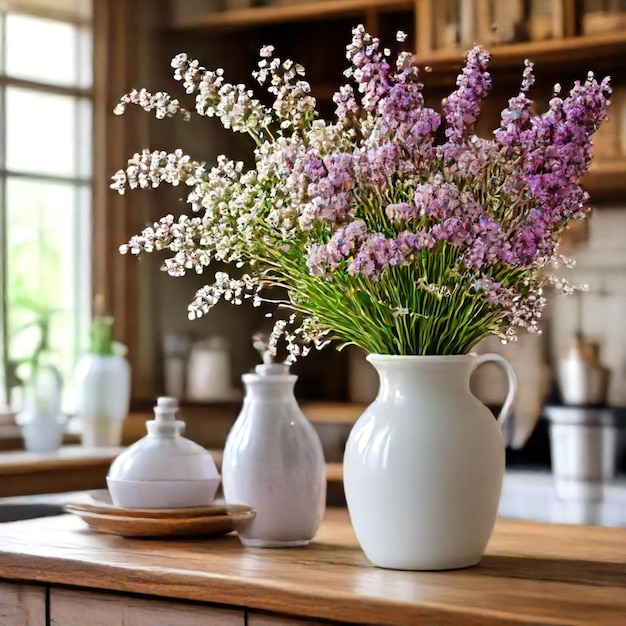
[394, 227]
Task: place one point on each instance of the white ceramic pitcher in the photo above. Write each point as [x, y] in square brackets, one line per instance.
[423, 465]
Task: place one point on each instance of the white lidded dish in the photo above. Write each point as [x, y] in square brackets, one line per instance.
[164, 470]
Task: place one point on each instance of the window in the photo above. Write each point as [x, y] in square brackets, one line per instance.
[45, 184]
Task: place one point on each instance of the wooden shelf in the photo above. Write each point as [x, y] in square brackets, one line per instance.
[445, 64]
[606, 179]
[280, 14]
[557, 53]
[552, 52]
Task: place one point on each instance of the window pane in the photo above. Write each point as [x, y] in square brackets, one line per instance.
[2, 17]
[41, 132]
[58, 65]
[84, 117]
[85, 58]
[46, 228]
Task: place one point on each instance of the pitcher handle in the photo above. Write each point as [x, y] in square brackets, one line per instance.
[506, 412]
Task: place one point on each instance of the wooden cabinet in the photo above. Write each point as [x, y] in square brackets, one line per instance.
[259, 619]
[22, 605]
[78, 608]
[25, 605]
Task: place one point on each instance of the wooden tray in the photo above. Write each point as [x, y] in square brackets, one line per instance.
[101, 515]
[101, 503]
[211, 525]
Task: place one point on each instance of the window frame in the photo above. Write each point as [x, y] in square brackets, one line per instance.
[80, 183]
[117, 28]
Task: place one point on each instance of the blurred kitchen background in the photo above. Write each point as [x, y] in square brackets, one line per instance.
[65, 63]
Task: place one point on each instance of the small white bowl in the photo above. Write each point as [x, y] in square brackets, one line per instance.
[41, 433]
[162, 494]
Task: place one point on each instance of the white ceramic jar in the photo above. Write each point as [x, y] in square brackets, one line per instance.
[164, 470]
[208, 372]
[274, 462]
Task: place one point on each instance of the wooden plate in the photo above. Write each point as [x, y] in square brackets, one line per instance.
[102, 504]
[133, 526]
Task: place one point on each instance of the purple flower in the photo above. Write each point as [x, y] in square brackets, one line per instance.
[376, 167]
[375, 254]
[401, 212]
[346, 102]
[516, 130]
[342, 244]
[495, 293]
[404, 119]
[409, 242]
[437, 199]
[325, 186]
[487, 243]
[369, 69]
[462, 107]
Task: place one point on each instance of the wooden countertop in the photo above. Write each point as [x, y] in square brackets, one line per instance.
[531, 574]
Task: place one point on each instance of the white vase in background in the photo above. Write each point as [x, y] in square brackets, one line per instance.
[423, 465]
[102, 398]
[274, 462]
[102, 384]
[41, 421]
